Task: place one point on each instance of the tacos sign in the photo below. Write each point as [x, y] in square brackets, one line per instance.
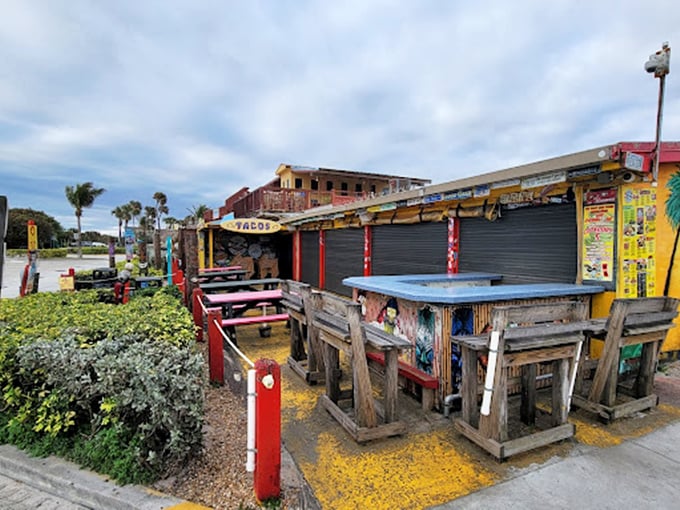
[251, 226]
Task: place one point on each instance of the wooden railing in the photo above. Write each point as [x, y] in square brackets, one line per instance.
[290, 200]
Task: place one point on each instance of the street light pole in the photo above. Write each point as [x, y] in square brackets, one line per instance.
[659, 64]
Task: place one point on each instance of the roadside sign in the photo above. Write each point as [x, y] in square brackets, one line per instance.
[32, 236]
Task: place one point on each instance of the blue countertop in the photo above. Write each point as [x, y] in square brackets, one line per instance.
[416, 288]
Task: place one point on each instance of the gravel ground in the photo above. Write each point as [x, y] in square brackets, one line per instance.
[218, 478]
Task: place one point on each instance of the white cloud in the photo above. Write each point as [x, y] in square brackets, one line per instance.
[199, 99]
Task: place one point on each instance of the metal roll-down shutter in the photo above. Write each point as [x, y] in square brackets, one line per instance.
[344, 257]
[410, 249]
[310, 257]
[528, 245]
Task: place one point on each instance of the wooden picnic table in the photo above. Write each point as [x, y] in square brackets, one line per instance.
[240, 285]
[235, 304]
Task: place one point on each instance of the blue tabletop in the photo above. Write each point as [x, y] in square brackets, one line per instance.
[462, 288]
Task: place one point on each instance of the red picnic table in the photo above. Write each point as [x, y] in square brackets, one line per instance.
[235, 304]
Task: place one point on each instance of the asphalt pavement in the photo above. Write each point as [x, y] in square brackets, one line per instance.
[49, 270]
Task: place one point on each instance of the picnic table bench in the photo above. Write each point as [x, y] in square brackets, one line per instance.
[339, 326]
[235, 304]
[524, 336]
[306, 354]
[644, 321]
[240, 285]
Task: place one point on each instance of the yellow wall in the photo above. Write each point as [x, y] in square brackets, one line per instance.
[665, 238]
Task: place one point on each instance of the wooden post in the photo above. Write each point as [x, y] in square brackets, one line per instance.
[527, 409]
[363, 392]
[560, 391]
[609, 360]
[644, 383]
[391, 388]
[197, 311]
[495, 424]
[468, 386]
[315, 354]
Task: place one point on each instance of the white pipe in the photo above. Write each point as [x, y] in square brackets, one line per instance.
[490, 373]
[250, 438]
[574, 372]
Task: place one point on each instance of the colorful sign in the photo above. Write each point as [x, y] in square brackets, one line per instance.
[599, 230]
[129, 243]
[638, 251]
[32, 236]
[251, 226]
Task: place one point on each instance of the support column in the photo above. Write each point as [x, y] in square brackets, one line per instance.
[368, 250]
[322, 259]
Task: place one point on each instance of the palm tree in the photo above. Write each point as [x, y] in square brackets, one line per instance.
[127, 214]
[161, 207]
[120, 216]
[673, 215]
[81, 196]
[197, 213]
[135, 210]
[170, 222]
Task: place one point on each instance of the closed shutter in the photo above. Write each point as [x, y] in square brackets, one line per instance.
[344, 257]
[528, 245]
[310, 258]
[410, 249]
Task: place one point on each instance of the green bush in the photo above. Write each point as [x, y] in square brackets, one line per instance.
[78, 376]
[47, 253]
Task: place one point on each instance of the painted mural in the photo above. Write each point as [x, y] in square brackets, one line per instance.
[425, 340]
[420, 325]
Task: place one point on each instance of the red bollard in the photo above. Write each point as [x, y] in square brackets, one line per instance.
[215, 343]
[267, 476]
[197, 309]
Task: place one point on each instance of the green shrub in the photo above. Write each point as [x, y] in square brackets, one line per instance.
[77, 376]
[47, 253]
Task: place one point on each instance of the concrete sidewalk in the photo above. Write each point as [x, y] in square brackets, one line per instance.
[51, 482]
[639, 473]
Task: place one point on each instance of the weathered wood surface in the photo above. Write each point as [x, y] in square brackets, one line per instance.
[528, 336]
[339, 327]
[643, 321]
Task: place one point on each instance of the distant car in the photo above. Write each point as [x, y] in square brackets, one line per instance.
[97, 243]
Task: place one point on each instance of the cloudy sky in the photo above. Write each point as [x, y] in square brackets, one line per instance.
[200, 98]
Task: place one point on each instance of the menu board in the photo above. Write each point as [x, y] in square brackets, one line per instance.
[639, 242]
[599, 236]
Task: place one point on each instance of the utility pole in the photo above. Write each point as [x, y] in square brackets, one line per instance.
[659, 64]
